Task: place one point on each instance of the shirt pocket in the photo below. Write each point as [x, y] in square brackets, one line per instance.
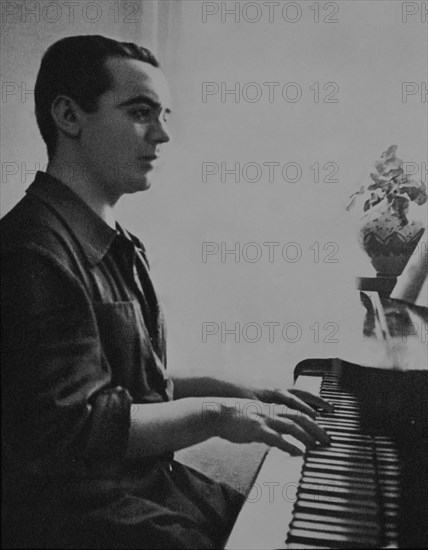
[128, 350]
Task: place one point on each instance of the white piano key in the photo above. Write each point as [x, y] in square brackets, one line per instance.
[275, 512]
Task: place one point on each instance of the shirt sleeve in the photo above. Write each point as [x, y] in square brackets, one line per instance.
[59, 401]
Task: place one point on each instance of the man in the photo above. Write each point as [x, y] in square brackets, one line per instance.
[91, 419]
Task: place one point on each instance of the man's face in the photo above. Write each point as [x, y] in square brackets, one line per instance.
[121, 141]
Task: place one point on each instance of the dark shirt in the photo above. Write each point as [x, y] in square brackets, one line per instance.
[82, 338]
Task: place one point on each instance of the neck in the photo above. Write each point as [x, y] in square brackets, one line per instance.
[89, 190]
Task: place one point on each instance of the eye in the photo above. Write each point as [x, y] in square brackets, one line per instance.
[141, 113]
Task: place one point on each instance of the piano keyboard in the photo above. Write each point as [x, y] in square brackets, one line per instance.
[347, 493]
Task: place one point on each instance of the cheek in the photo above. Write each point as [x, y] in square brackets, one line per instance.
[114, 140]
[138, 134]
[125, 136]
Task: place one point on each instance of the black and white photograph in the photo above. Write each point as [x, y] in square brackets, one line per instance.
[214, 266]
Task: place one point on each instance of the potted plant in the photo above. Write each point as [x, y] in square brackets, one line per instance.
[387, 231]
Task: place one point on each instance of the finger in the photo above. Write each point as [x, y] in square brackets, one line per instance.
[313, 400]
[310, 426]
[296, 403]
[274, 439]
[286, 426]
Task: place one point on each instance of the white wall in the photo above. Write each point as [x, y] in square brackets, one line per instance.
[368, 54]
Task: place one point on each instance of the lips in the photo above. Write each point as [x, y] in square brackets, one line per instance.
[149, 158]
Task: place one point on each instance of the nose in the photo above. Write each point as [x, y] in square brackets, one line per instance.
[159, 132]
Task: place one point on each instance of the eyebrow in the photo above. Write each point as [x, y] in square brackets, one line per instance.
[142, 99]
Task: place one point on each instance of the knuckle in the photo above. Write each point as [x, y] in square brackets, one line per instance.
[306, 418]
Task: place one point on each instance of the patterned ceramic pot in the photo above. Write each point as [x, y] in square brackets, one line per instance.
[388, 239]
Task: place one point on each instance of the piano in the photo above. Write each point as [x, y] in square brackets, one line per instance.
[369, 489]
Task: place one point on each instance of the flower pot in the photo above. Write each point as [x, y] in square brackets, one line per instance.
[388, 237]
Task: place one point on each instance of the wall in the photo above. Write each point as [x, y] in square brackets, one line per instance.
[366, 56]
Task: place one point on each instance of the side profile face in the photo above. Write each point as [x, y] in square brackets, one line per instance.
[120, 143]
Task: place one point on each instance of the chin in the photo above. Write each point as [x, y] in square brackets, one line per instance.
[137, 185]
[146, 184]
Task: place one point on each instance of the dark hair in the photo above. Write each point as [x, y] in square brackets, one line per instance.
[75, 66]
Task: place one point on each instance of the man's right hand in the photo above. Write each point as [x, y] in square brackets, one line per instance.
[157, 428]
[245, 421]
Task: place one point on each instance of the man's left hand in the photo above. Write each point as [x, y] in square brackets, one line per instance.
[298, 400]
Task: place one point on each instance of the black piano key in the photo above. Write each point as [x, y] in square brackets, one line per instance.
[349, 484]
[351, 421]
[354, 439]
[341, 405]
[388, 465]
[387, 460]
[356, 460]
[389, 485]
[352, 493]
[325, 474]
[325, 527]
[347, 429]
[331, 540]
[333, 510]
[346, 470]
[343, 427]
[350, 446]
[339, 394]
[369, 526]
[390, 515]
[345, 410]
[361, 466]
[391, 496]
[391, 508]
[388, 473]
[351, 450]
[386, 450]
[335, 455]
[358, 456]
[336, 500]
[340, 410]
[344, 416]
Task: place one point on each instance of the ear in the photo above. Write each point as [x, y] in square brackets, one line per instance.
[67, 115]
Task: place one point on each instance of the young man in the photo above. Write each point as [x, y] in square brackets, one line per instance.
[91, 418]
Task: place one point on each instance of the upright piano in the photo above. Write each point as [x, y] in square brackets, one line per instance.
[369, 488]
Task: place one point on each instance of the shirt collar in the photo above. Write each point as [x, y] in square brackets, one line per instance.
[94, 235]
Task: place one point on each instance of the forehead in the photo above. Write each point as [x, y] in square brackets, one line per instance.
[132, 78]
